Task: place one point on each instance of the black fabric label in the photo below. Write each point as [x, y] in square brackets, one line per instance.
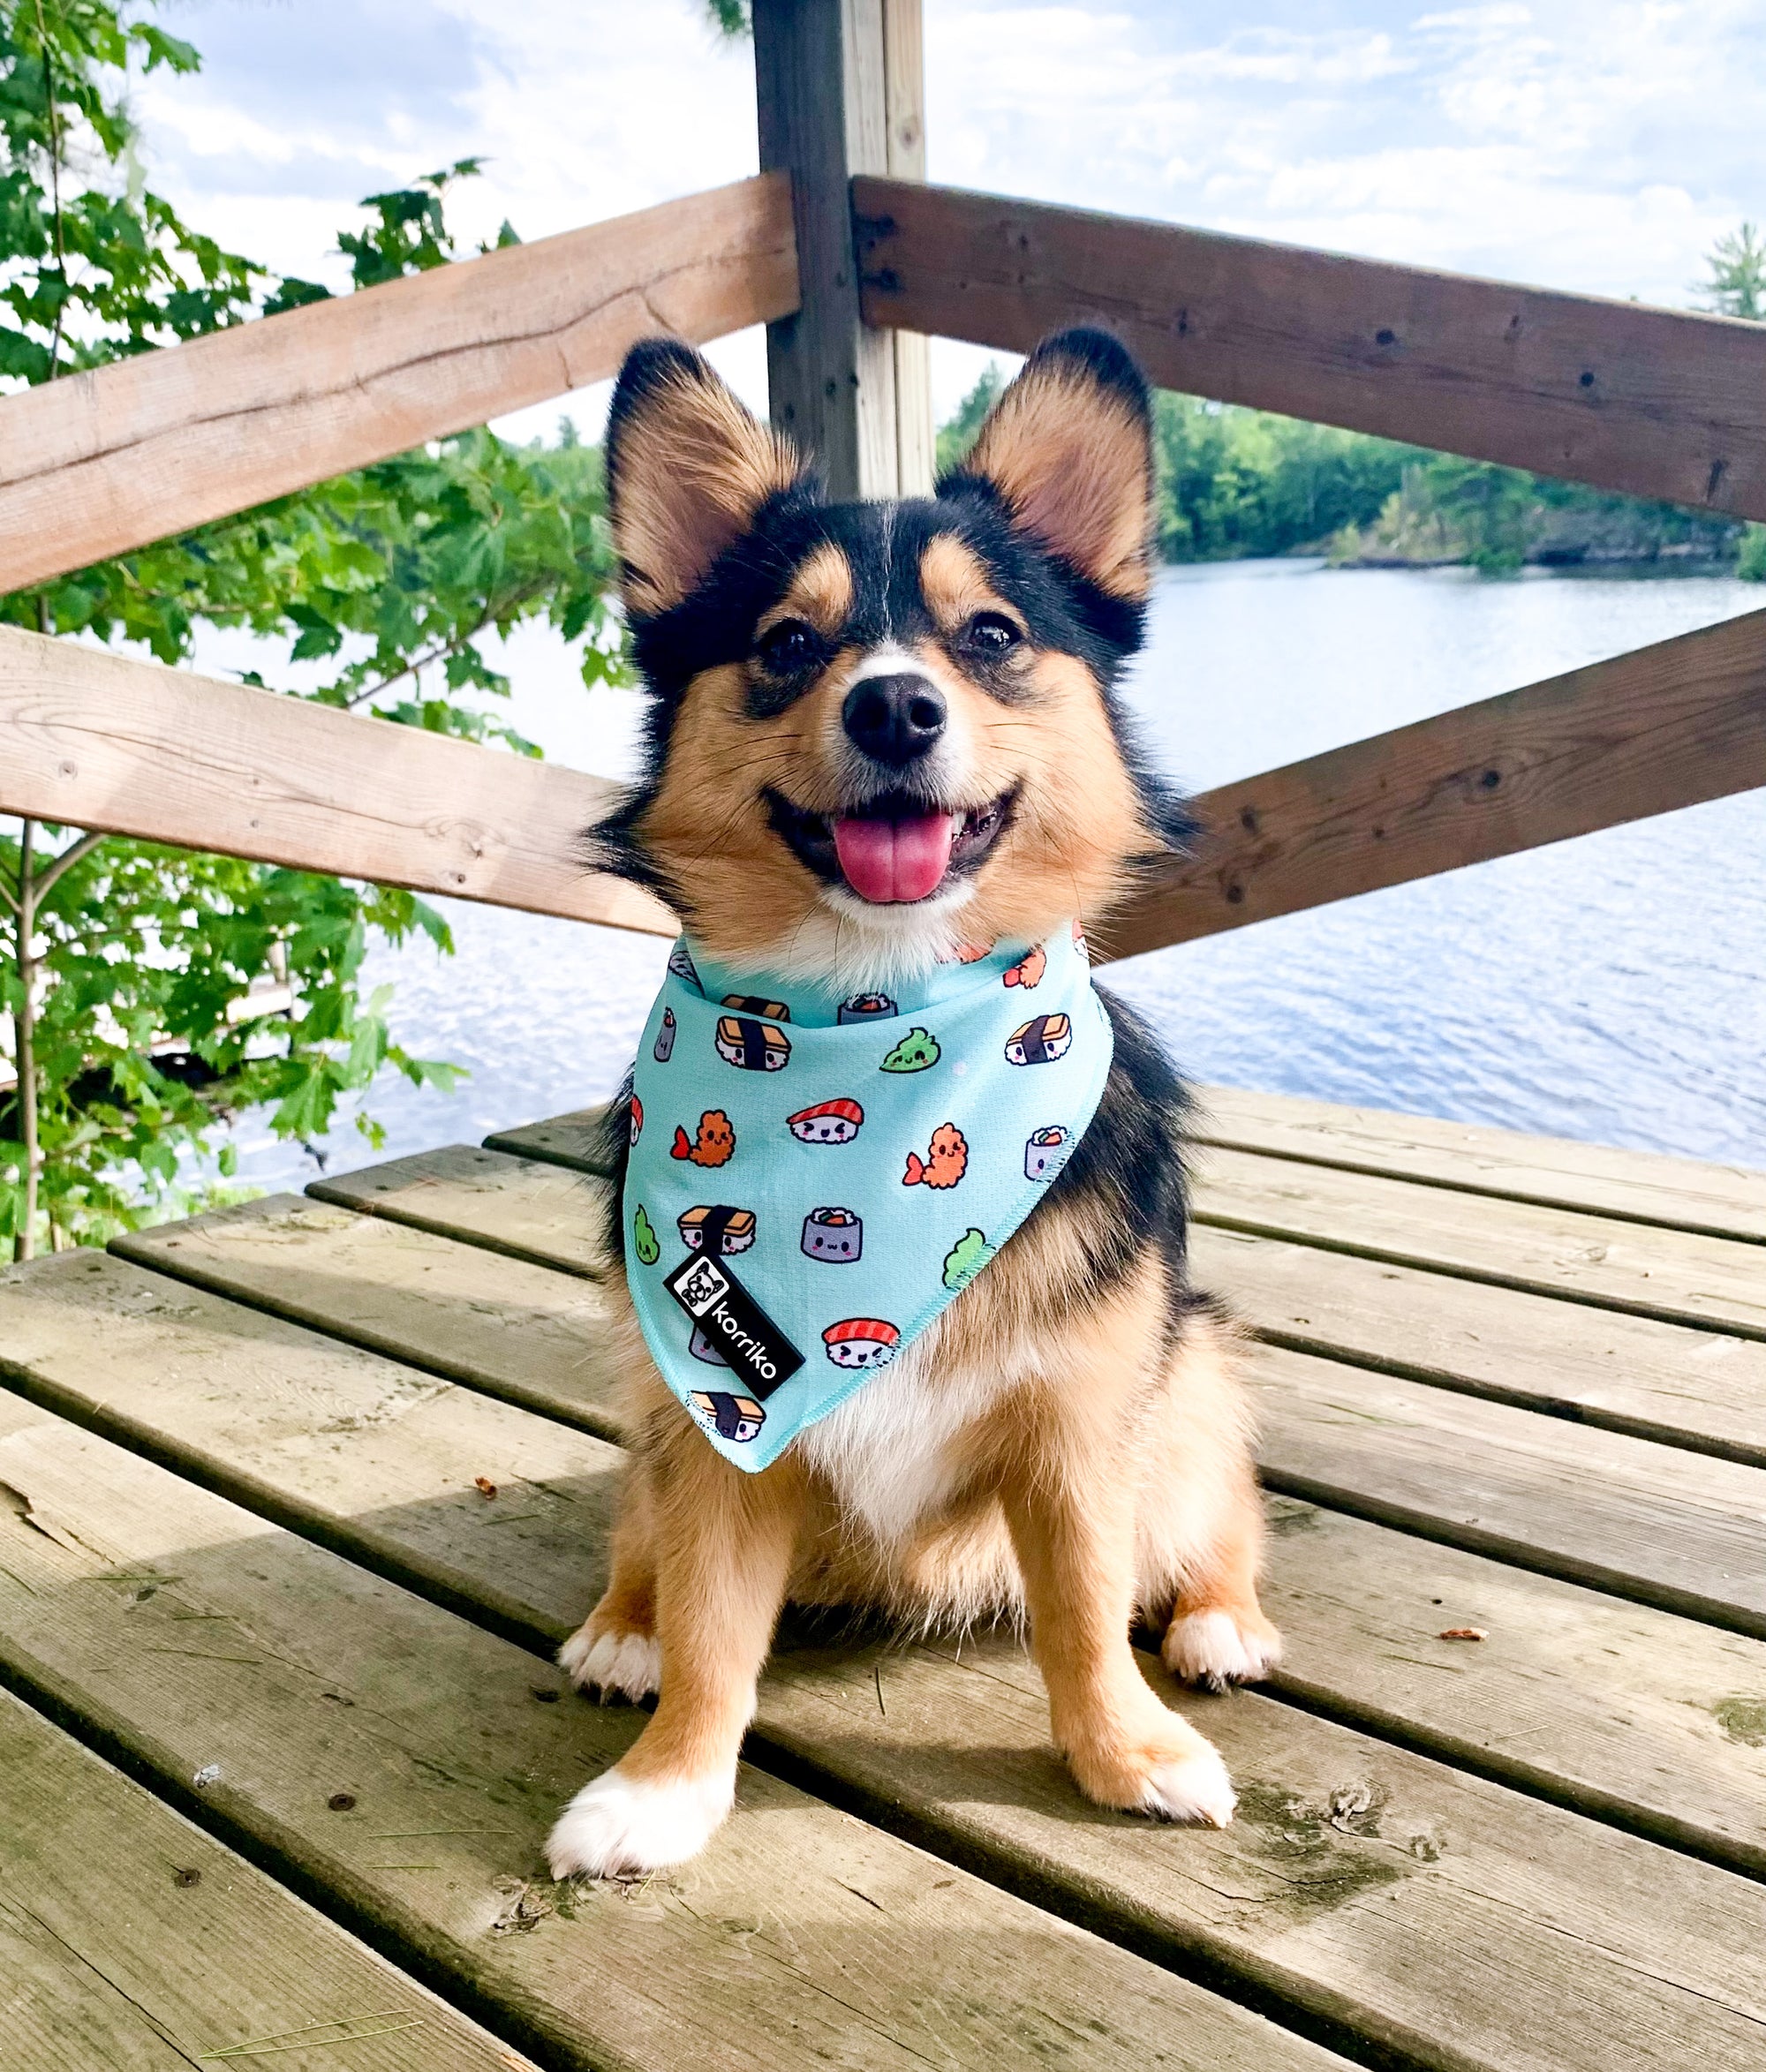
[733, 1322]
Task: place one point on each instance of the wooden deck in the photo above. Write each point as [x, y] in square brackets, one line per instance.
[296, 1500]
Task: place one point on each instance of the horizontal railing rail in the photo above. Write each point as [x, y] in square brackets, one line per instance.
[99, 462]
[1671, 725]
[1655, 403]
[102, 742]
[99, 741]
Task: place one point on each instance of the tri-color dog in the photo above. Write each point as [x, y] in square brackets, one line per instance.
[880, 734]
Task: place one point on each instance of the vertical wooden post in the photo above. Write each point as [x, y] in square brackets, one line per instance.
[822, 73]
[904, 103]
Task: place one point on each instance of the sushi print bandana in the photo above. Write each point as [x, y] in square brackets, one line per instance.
[813, 1179]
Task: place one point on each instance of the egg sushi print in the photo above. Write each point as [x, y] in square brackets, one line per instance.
[888, 765]
[1040, 1041]
[721, 1232]
[754, 1046]
[829, 1122]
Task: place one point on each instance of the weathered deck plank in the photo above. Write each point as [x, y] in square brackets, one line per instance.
[1667, 1527]
[545, 1213]
[1705, 1390]
[132, 1940]
[1675, 1530]
[1552, 1172]
[1361, 1884]
[802, 1937]
[1686, 1387]
[1676, 1275]
[1625, 1711]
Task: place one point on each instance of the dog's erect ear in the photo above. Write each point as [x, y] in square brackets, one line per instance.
[1069, 448]
[687, 467]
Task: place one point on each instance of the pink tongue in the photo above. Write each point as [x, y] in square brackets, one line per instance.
[891, 860]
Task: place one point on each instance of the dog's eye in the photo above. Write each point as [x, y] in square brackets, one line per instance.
[991, 634]
[788, 647]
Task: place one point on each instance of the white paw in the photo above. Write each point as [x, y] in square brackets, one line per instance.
[1193, 1788]
[618, 1828]
[1211, 1648]
[629, 1663]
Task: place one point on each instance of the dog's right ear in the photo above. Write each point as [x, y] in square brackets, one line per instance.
[688, 469]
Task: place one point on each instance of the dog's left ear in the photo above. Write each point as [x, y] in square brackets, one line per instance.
[688, 469]
[1068, 450]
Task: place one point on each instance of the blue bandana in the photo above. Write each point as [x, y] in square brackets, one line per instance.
[813, 1179]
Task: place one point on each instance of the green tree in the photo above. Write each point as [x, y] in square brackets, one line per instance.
[130, 973]
[958, 432]
[1735, 275]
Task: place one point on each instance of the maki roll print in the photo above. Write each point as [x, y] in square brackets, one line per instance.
[836, 1236]
[829, 1122]
[865, 1007]
[1041, 1040]
[664, 1048]
[1046, 1151]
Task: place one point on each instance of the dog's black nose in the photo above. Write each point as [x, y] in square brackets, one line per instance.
[893, 720]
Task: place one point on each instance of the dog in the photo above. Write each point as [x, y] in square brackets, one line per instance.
[1066, 1443]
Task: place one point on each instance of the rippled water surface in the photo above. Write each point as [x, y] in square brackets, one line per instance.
[1609, 988]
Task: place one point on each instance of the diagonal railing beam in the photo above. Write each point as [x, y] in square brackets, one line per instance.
[1655, 403]
[100, 462]
[1664, 727]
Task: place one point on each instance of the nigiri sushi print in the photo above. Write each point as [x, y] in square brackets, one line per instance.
[829, 1122]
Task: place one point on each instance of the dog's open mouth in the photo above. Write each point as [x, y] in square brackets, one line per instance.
[893, 849]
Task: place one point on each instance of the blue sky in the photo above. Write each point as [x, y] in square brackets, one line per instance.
[1594, 146]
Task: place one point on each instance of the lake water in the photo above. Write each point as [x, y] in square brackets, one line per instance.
[1613, 989]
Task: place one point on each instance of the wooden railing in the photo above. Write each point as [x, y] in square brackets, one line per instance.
[1654, 402]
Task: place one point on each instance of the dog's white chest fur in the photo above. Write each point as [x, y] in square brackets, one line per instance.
[889, 1450]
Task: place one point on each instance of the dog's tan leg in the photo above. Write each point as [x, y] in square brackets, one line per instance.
[1202, 1522]
[1072, 1524]
[614, 1650]
[722, 1542]
[1219, 1634]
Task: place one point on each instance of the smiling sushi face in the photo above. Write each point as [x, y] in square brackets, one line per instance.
[829, 1122]
[862, 1342]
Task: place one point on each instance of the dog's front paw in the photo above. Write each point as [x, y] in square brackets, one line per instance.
[621, 1826]
[1216, 1648]
[615, 1661]
[1163, 1766]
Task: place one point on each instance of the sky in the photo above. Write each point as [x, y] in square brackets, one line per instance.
[1600, 148]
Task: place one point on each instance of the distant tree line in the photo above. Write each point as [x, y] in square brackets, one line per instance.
[1234, 483]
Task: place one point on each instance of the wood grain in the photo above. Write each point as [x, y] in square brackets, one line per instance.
[99, 462]
[1667, 725]
[132, 1940]
[1602, 1704]
[1676, 1276]
[1640, 1186]
[1653, 402]
[1704, 1390]
[1654, 1523]
[819, 77]
[802, 1938]
[1357, 1910]
[1651, 1523]
[100, 741]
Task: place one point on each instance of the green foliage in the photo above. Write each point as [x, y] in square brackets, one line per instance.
[733, 17]
[957, 435]
[1735, 269]
[1751, 564]
[141, 957]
